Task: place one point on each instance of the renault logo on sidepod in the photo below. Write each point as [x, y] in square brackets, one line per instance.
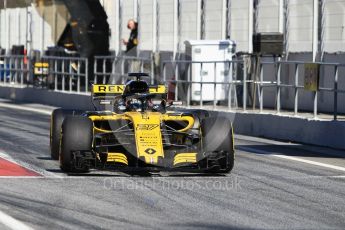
[150, 151]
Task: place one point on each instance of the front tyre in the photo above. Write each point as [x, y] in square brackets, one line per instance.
[217, 144]
[77, 135]
[56, 120]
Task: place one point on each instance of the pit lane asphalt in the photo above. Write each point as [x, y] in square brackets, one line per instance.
[262, 192]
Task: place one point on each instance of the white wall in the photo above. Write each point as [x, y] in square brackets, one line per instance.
[334, 24]
[37, 30]
[241, 24]
[11, 33]
[167, 28]
[215, 20]
[42, 28]
[190, 22]
[147, 25]
[268, 16]
[2, 29]
[300, 25]
[22, 19]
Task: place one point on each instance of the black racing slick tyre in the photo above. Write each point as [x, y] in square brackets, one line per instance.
[198, 115]
[218, 144]
[77, 135]
[56, 120]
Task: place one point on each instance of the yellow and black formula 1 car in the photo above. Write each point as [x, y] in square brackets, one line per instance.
[136, 130]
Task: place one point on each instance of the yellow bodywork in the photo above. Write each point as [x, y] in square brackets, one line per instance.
[117, 158]
[148, 135]
[185, 158]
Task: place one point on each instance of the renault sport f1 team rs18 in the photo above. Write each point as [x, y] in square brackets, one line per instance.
[135, 129]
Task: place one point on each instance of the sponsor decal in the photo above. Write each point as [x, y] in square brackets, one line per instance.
[117, 89]
[147, 127]
[150, 151]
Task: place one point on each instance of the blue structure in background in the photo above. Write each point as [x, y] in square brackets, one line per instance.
[4, 72]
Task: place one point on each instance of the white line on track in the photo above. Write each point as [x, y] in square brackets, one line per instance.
[329, 166]
[25, 108]
[12, 223]
[21, 177]
[311, 162]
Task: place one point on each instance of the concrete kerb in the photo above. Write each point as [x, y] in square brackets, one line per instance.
[47, 97]
[295, 129]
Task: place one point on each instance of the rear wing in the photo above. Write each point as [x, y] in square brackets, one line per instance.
[105, 91]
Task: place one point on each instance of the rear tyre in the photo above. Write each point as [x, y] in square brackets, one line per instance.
[77, 135]
[56, 120]
[217, 144]
[198, 115]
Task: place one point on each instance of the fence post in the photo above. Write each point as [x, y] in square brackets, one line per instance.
[113, 72]
[10, 70]
[164, 73]
[244, 86]
[78, 76]
[315, 104]
[296, 88]
[230, 79]
[104, 71]
[336, 76]
[7, 69]
[278, 87]
[71, 75]
[123, 71]
[55, 75]
[95, 65]
[201, 80]
[2, 70]
[63, 74]
[22, 72]
[215, 86]
[177, 81]
[152, 70]
[28, 71]
[16, 70]
[86, 75]
[189, 90]
[261, 100]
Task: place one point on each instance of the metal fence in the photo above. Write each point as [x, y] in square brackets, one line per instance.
[66, 74]
[183, 78]
[244, 89]
[14, 70]
[229, 85]
[115, 69]
[297, 87]
[70, 74]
